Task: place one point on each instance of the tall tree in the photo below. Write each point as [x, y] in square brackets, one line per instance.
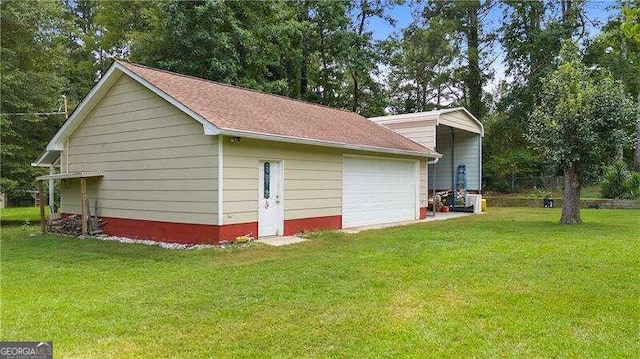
[468, 18]
[217, 40]
[329, 43]
[620, 55]
[320, 51]
[33, 61]
[579, 121]
[125, 24]
[365, 94]
[86, 58]
[631, 28]
[531, 35]
[421, 75]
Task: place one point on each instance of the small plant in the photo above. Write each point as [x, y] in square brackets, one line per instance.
[26, 225]
[620, 182]
[541, 193]
[632, 186]
[612, 185]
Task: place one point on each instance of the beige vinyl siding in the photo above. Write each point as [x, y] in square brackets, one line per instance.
[312, 179]
[158, 163]
[460, 120]
[423, 134]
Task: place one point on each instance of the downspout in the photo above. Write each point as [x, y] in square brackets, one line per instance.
[480, 165]
[67, 150]
[220, 181]
[453, 160]
[433, 189]
[51, 194]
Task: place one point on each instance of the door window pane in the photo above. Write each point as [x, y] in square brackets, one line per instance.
[267, 180]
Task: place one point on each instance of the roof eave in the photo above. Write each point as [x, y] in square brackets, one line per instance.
[468, 114]
[314, 142]
[46, 159]
[404, 116]
[390, 119]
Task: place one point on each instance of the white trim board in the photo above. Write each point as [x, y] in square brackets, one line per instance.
[427, 115]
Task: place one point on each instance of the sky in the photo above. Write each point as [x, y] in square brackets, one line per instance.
[596, 12]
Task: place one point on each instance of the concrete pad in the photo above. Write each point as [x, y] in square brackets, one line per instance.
[281, 241]
[440, 216]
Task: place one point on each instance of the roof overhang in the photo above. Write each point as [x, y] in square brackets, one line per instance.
[46, 159]
[427, 116]
[481, 133]
[100, 89]
[69, 175]
[308, 141]
[56, 145]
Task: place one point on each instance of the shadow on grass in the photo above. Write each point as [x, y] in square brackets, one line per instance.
[72, 250]
[14, 222]
[513, 229]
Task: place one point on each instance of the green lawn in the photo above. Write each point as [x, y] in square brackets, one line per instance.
[509, 283]
[19, 215]
[589, 191]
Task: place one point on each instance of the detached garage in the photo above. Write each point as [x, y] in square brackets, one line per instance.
[164, 156]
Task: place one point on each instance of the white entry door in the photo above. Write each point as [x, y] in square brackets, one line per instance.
[379, 190]
[270, 201]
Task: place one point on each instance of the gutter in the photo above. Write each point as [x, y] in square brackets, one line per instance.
[308, 141]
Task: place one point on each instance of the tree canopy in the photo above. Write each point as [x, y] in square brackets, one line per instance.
[321, 51]
[579, 122]
[33, 65]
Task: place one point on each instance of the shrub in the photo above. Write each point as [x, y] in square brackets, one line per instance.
[620, 182]
[612, 184]
[632, 186]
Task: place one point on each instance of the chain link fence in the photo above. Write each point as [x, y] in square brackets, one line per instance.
[530, 182]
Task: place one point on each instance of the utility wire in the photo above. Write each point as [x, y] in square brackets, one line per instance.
[61, 102]
[32, 113]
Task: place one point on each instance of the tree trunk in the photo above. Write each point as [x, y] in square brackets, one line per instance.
[306, 53]
[356, 93]
[571, 202]
[636, 157]
[619, 157]
[474, 80]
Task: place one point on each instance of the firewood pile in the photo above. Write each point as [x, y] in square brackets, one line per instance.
[72, 225]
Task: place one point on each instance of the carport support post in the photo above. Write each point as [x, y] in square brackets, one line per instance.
[51, 192]
[43, 222]
[480, 164]
[85, 214]
[433, 201]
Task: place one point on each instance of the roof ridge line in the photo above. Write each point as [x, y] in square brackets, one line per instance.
[241, 88]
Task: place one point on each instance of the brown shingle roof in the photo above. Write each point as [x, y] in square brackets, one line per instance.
[238, 109]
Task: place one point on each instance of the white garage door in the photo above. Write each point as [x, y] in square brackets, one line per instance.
[378, 191]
